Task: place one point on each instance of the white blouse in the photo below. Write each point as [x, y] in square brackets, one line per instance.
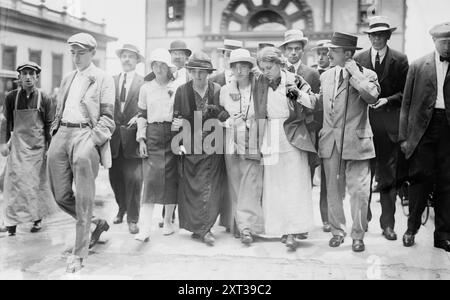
[158, 101]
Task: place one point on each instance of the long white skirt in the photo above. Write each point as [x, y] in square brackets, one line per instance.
[287, 190]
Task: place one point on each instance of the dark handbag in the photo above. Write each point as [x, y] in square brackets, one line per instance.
[130, 146]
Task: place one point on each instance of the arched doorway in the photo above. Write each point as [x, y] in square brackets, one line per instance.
[254, 15]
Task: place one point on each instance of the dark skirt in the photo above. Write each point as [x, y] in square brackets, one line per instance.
[160, 168]
[201, 190]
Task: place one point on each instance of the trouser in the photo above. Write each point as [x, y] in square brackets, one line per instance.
[323, 196]
[356, 175]
[73, 158]
[386, 162]
[430, 166]
[125, 177]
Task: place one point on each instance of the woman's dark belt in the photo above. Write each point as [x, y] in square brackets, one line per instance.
[75, 125]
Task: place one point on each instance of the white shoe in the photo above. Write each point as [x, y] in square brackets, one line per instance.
[168, 229]
[142, 237]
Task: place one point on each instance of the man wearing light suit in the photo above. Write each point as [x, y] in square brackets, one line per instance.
[357, 148]
[125, 174]
[81, 132]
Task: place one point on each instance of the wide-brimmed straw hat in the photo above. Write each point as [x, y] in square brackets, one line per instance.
[201, 61]
[242, 55]
[131, 48]
[344, 40]
[162, 55]
[179, 45]
[379, 24]
[292, 36]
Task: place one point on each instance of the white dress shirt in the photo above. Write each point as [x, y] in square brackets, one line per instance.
[130, 78]
[72, 111]
[441, 72]
[382, 54]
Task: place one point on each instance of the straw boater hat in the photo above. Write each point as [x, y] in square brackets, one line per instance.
[201, 61]
[29, 65]
[131, 48]
[441, 31]
[379, 24]
[292, 36]
[242, 55]
[162, 55]
[321, 45]
[83, 40]
[264, 45]
[230, 45]
[180, 46]
[344, 40]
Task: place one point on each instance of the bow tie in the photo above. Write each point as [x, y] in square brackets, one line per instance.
[275, 84]
[447, 59]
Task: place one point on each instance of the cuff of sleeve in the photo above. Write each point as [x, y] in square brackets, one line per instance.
[305, 99]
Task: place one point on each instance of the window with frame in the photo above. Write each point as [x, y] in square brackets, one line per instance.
[366, 9]
[57, 70]
[175, 14]
[9, 57]
[35, 56]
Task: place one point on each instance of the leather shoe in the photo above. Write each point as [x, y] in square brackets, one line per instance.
[390, 234]
[291, 243]
[37, 226]
[99, 229]
[336, 241]
[326, 227]
[246, 237]
[133, 228]
[408, 239]
[445, 244]
[11, 230]
[74, 264]
[118, 219]
[358, 246]
[209, 239]
[284, 239]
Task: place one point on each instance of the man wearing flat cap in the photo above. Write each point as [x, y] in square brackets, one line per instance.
[82, 129]
[24, 139]
[293, 48]
[346, 139]
[424, 135]
[224, 77]
[125, 174]
[391, 67]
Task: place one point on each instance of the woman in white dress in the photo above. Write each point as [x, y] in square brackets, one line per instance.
[283, 100]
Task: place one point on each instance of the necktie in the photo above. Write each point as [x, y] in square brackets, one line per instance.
[378, 68]
[275, 84]
[341, 78]
[442, 59]
[123, 91]
[291, 69]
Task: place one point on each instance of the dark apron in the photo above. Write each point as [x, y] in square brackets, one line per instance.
[27, 192]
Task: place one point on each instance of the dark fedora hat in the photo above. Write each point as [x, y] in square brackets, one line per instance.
[344, 40]
[179, 45]
[131, 48]
[200, 60]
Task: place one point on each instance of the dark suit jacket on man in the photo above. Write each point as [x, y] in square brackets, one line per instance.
[392, 84]
[123, 135]
[419, 101]
[311, 76]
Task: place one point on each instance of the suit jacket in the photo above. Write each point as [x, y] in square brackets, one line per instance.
[219, 78]
[358, 140]
[124, 136]
[97, 105]
[311, 76]
[392, 82]
[419, 101]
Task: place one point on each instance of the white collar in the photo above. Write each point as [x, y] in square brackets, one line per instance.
[381, 52]
[87, 71]
[297, 65]
[130, 75]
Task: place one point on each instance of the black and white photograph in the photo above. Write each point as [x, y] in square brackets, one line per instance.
[223, 141]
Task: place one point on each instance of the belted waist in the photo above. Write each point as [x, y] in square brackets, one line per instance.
[75, 125]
